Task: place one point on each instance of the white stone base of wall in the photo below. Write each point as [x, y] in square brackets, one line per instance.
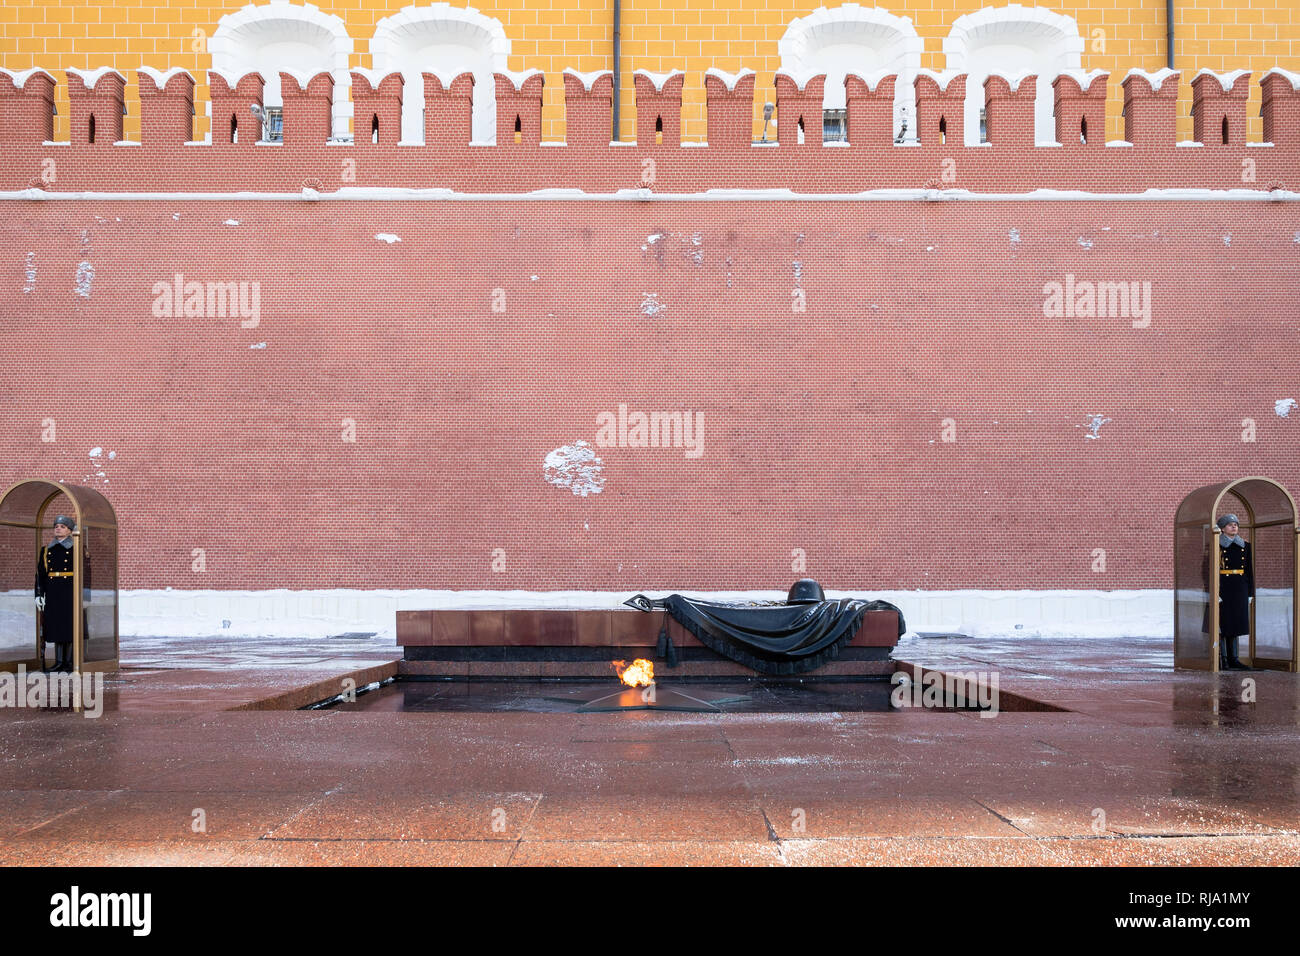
[317, 614]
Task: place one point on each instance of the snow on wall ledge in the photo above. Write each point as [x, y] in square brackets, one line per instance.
[319, 158]
[318, 614]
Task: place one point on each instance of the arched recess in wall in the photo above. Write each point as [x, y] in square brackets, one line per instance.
[279, 35]
[855, 39]
[1008, 40]
[446, 40]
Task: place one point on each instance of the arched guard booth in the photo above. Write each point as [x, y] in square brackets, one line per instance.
[1268, 521]
[27, 513]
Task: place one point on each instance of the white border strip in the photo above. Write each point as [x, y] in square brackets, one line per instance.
[321, 613]
[398, 194]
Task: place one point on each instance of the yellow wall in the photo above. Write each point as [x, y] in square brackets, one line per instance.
[668, 34]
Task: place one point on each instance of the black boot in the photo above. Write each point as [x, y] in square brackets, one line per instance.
[1233, 662]
[65, 658]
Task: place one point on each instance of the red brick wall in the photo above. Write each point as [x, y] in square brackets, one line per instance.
[823, 428]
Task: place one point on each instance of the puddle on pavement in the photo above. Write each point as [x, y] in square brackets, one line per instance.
[407, 695]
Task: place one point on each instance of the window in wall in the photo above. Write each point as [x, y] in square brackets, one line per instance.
[835, 126]
[282, 36]
[866, 41]
[1009, 40]
[448, 41]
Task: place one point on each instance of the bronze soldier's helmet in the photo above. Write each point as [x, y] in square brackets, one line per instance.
[805, 591]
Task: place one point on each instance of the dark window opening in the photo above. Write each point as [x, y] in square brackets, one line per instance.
[519, 130]
[374, 128]
[92, 127]
[659, 130]
[984, 126]
[274, 124]
[1224, 131]
[943, 129]
[835, 126]
[234, 128]
[1083, 130]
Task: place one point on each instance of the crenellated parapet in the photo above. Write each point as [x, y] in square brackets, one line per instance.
[97, 100]
[448, 109]
[376, 108]
[659, 107]
[1080, 108]
[1280, 107]
[588, 107]
[940, 108]
[799, 108]
[731, 107]
[235, 122]
[166, 106]
[886, 147]
[1151, 107]
[1009, 109]
[519, 107]
[308, 107]
[870, 102]
[1219, 107]
[26, 106]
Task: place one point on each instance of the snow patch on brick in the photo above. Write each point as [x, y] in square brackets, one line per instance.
[729, 80]
[519, 77]
[801, 78]
[387, 237]
[20, 77]
[162, 77]
[231, 222]
[92, 77]
[1226, 80]
[1012, 78]
[658, 79]
[651, 305]
[1283, 407]
[1094, 425]
[587, 79]
[576, 467]
[1290, 76]
[85, 278]
[941, 77]
[29, 273]
[1155, 77]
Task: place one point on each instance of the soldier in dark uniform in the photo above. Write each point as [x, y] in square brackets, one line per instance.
[1236, 588]
[54, 591]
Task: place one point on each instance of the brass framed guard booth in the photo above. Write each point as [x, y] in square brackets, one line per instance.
[27, 513]
[1268, 522]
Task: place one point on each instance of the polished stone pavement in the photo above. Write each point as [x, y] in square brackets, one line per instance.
[1146, 766]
